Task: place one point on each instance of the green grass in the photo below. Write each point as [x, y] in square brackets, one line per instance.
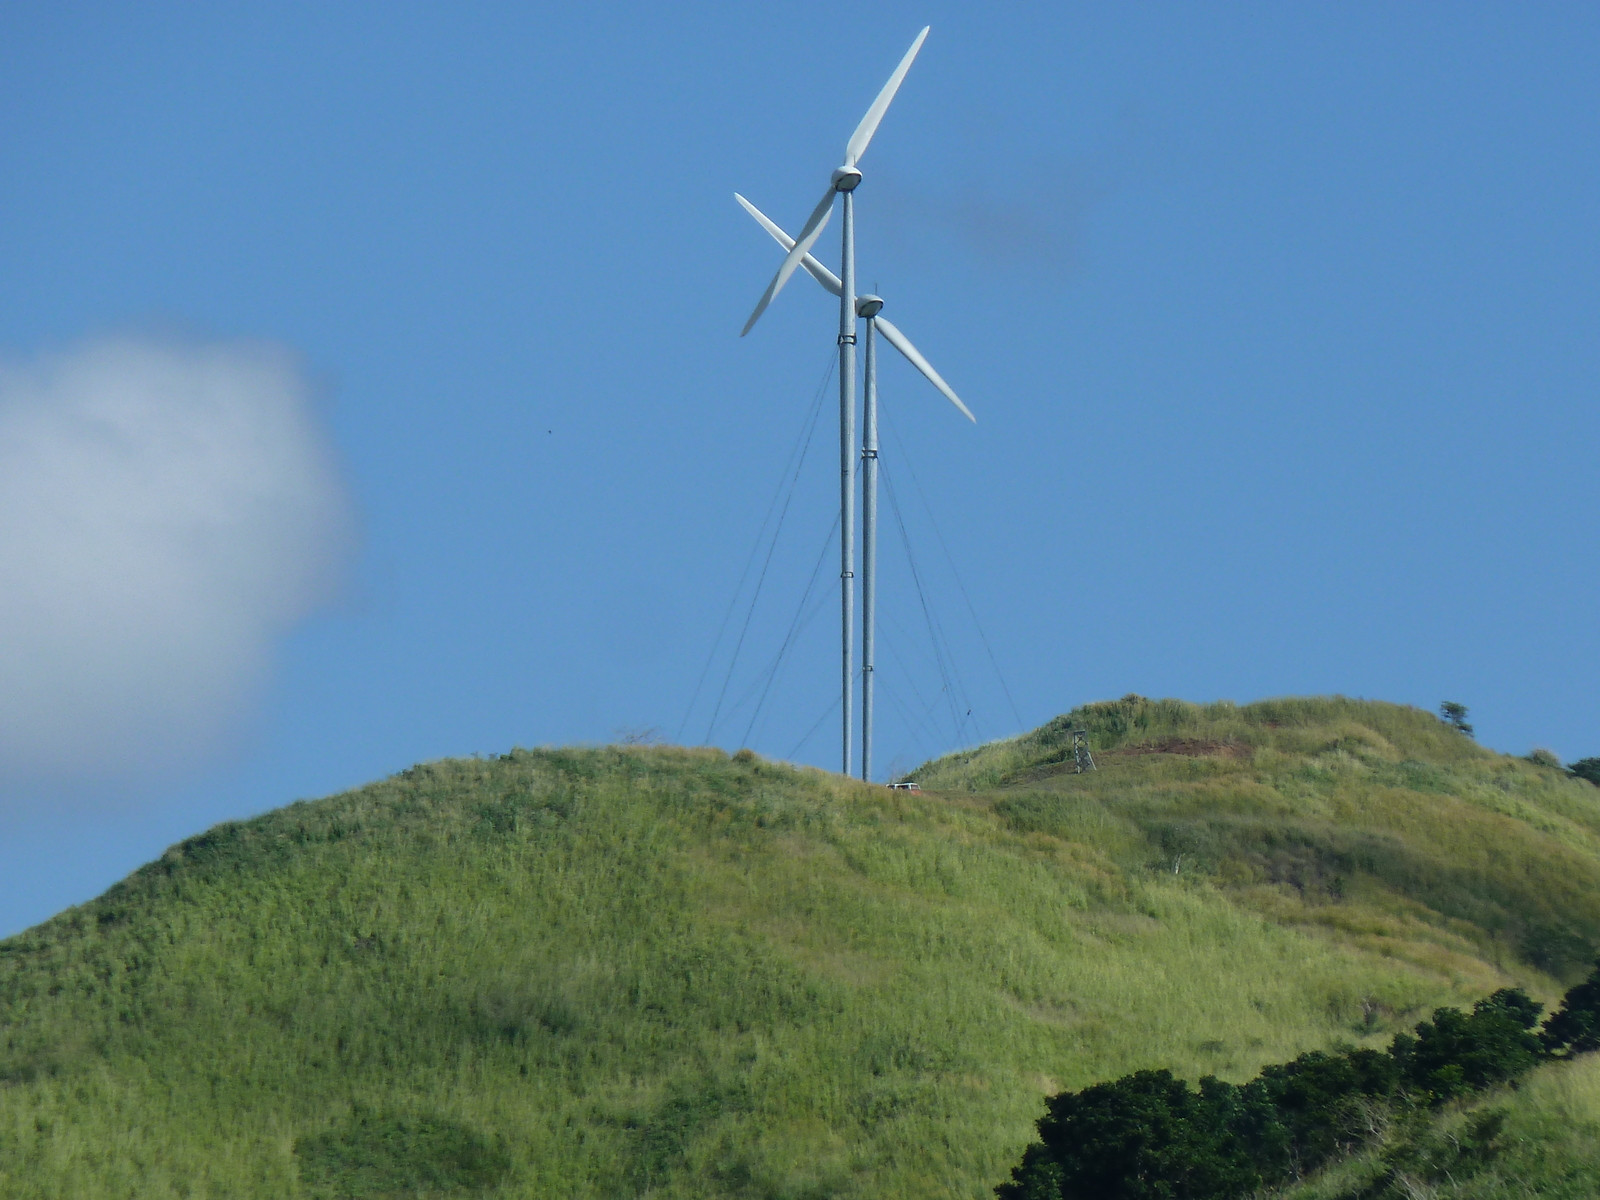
[1541, 1140]
[1376, 821]
[649, 971]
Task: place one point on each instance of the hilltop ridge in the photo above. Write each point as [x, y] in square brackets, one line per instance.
[669, 972]
[1375, 820]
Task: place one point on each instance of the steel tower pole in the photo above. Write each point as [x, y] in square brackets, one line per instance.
[847, 466]
[869, 541]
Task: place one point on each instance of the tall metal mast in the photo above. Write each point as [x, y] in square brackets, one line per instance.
[868, 307]
[845, 182]
[843, 185]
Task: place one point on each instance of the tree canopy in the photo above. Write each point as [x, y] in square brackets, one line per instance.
[1150, 1136]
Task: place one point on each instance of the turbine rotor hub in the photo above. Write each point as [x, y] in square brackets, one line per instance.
[845, 179]
[869, 305]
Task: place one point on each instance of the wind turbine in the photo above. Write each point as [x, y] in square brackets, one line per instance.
[871, 309]
[843, 183]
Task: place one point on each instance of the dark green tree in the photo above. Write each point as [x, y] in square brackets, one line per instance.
[1455, 715]
[1575, 1026]
[1586, 768]
[1146, 1136]
[1459, 1052]
[1318, 1107]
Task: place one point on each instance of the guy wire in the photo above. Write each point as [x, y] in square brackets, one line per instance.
[950, 558]
[809, 428]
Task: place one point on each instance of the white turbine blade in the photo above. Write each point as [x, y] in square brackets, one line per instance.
[813, 227]
[818, 272]
[903, 344]
[869, 123]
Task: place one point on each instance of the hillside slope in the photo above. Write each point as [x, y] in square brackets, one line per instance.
[631, 971]
[1380, 824]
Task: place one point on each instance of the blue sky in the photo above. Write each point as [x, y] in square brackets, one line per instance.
[1280, 324]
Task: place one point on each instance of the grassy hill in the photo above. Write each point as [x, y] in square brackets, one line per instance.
[652, 971]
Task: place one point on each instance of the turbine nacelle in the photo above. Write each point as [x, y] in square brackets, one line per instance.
[868, 306]
[844, 179]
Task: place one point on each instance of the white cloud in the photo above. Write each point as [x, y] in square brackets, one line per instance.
[167, 510]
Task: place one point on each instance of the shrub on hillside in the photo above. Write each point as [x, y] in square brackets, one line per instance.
[1455, 715]
[1148, 1136]
[1317, 1106]
[380, 1154]
[1574, 1028]
[1458, 1052]
[1586, 768]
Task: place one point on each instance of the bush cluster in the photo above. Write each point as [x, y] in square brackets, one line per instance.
[1149, 1136]
[375, 1155]
[1586, 768]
